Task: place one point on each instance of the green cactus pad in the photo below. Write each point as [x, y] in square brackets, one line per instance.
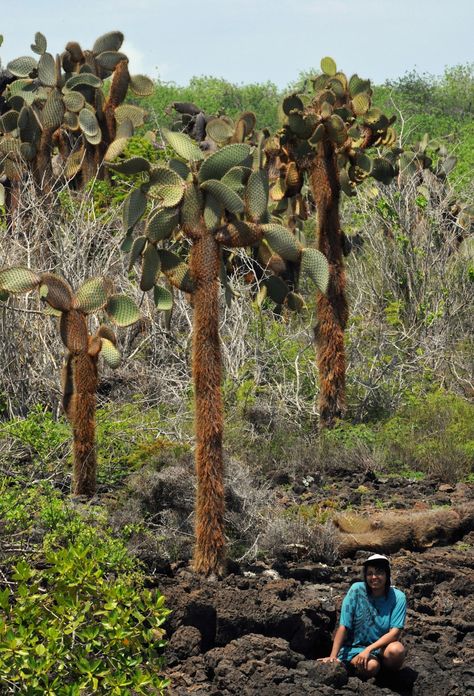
[53, 110]
[56, 292]
[28, 125]
[282, 241]
[116, 147]
[192, 206]
[4, 295]
[277, 289]
[111, 41]
[93, 295]
[74, 101]
[9, 121]
[122, 310]
[183, 145]
[382, 170]
[110, 353]
[291, 103]
[150, 268]
[320, 82]
[134, 165]
[180, 168]
[295, 302]
[256, 194]
[47, 74]
[278, 190]
[82, 80]
[88, 122]
[40, 45]
[346, 184]
[364, 162]
[213, 212]
[222, 161]
[163, 298]
[236, 178]
[361, 103]
[318, 134]
[18, 279]
[134, 113]
[357, 85]
[328, 66]
[73, 330]
[225, 195]
[141, 85]
[136, 251]
[219, 130]
[22, 66]
[110, 59]
[176, 270]
[314, 265]
[133, 208]
[300, 125]
[161, 224]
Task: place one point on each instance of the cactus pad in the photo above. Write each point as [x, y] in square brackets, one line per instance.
[222, 161]
[92, 295]
[256, 194]
[282, 241]
[277, 289]
[225, 195]
[163, 298]
[133, 208]
[183, 145]
[18, 279]
[122, 310]
[176, 270]
[22, 66]
[314, 265]
[141, 85]
[56, 292]
[110, 353]
[150, 268]
[111, 41]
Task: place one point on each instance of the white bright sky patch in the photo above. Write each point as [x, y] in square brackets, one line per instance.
[256, 40]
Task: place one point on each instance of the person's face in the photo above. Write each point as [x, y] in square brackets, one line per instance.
[376, 578]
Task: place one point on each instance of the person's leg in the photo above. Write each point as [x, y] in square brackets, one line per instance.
[373, 666]
[393, 655]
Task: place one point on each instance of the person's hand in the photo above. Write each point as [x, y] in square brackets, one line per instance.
[328, 659]
[362, 659]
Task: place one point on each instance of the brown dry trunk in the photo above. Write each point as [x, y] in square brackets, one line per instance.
[332, 307]
[81, 410]
[210, 540]
[42, 166]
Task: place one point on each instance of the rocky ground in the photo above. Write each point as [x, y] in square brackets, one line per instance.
[260, 629]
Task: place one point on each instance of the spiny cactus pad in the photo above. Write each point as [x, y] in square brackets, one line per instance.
[314, 265]
[222, 161]
[122, 310]
[110, 353]
[282, 241]
[183, 145]
[18, 279]
[225, 195]
[56, 292]
[93, 294]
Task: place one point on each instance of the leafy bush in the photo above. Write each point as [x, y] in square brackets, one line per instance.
[40, 433]
[82, 622]
[433, 433]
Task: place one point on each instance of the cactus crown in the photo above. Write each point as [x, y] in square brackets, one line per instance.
[94, 295]
[339, 111]
[224, 186]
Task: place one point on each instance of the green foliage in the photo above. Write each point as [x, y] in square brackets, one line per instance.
[215, 95]
[432, 433]
[39, 432]
[83, 622]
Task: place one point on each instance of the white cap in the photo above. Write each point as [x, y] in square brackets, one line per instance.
[376, 557]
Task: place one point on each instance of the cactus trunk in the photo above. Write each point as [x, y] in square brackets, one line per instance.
[79, 402]
[332, 307]
[210, 541]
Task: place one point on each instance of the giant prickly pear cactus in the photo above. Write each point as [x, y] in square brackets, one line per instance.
[79, 377]
[214, 201]
[325, 139]
[56, 109]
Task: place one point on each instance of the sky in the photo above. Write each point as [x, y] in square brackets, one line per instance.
[248, 41]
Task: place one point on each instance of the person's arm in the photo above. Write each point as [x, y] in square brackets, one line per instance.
[363, 657]
[339, 638]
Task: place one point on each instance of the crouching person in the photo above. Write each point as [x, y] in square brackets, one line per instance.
[372, 618]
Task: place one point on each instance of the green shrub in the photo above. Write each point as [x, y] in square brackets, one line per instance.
[82, 622]
[39, 432]
[432, 433]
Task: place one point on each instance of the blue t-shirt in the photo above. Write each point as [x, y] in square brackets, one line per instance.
[368, 618]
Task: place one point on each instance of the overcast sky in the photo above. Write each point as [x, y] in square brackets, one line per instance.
[254, 40]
